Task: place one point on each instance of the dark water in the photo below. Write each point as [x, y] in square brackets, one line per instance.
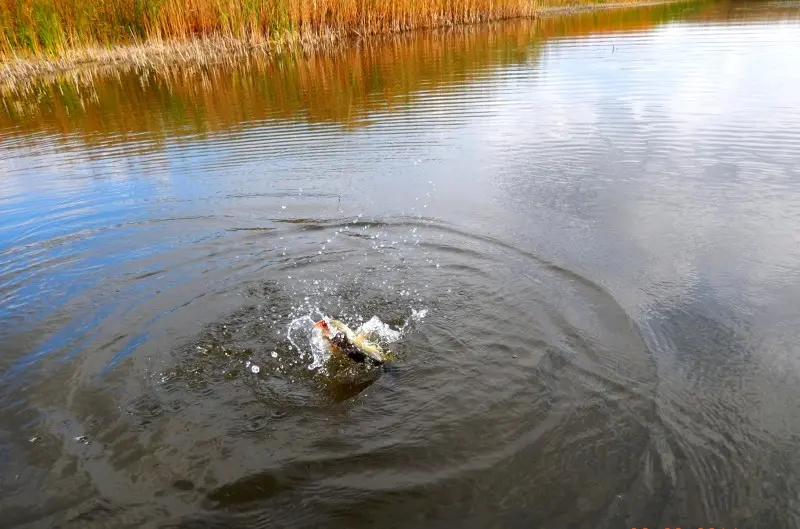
[601, 214]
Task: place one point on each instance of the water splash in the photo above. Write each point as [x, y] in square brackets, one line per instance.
[416, 315]
[377, 331]
[299, 333]
[307, 339]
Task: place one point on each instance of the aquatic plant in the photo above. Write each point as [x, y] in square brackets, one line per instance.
[335, 87]
[342, 86]
[52, 27]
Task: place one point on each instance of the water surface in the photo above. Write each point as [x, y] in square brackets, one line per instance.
[599, 212]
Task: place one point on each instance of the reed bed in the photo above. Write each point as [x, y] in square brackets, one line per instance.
[41, 37]
[53, 26]
[382, 75]
[345, 85]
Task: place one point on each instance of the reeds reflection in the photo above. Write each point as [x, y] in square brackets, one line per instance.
[343, 87]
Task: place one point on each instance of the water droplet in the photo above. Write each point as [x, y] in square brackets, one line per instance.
[255, 369]
[274, 354]
[283, 207]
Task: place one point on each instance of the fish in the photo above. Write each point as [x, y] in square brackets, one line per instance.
[341, 339]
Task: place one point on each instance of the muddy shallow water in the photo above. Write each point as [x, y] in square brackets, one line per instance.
[587, 227]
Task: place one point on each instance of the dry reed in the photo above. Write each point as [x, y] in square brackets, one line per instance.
[209, 91]
[53, 26]
[46, 36]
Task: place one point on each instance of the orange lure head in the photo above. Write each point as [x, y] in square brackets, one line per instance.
[325, 329]
[323, 325]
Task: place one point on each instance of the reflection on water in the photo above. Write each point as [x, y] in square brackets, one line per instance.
[347, 87]
[599, 213]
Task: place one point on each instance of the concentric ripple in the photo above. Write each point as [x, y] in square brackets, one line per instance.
[597, 215]
[518, 364]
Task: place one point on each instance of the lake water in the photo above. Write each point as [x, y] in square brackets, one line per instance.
[587, 227]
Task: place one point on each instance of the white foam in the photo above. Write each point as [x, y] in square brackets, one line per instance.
[307, 339]
[377, 331]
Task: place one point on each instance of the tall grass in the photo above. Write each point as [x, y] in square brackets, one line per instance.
[344, 85]
[49, 27]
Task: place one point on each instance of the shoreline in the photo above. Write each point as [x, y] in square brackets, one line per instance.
[205, 49]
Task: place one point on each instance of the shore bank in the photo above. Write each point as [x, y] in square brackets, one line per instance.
[202, 49]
